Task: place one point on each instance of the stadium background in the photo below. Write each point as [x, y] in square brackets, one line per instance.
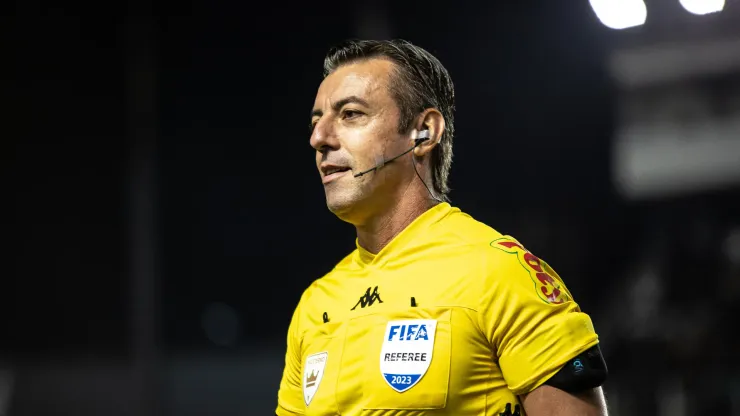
[162, 213]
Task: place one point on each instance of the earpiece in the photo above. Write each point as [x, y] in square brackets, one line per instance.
[421, 138]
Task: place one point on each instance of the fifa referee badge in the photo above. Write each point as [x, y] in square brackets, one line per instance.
[407, 352]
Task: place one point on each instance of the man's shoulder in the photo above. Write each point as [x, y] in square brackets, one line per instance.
[484, 241]
[466, 229]
[502, 253]
[473, 242]
[346, 266]
[329, 280]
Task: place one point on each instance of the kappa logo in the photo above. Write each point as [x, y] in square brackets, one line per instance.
[407, 352]
[549, 287]
[312, 374]
[368, 299]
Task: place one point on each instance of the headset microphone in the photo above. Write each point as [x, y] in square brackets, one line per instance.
[381, 161]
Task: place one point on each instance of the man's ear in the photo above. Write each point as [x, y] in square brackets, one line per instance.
[433, 121]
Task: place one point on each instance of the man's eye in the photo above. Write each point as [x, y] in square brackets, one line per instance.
[351, 113]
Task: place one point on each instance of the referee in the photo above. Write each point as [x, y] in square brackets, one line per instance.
[433, 313]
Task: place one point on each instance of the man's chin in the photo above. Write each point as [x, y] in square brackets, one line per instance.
[343, 206]
[338, 206]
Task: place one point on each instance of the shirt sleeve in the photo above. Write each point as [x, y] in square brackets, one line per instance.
[290, 395]
[529, 316]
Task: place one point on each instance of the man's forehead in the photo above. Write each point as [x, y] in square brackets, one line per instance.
[361, 79]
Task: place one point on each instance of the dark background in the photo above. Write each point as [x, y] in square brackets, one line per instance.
[164, 214]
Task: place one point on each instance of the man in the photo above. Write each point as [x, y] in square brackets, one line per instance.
[434, 312]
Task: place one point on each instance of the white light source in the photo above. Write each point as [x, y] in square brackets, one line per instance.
[703, 6]
[620, 14]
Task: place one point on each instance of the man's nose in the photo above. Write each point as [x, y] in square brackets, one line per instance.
[324, 135]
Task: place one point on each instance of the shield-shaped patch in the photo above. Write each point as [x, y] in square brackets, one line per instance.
[312, 374]
[407, 352]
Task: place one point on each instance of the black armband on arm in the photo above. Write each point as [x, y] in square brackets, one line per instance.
[585, 371]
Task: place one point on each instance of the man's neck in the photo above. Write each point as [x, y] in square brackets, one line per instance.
[380, 230]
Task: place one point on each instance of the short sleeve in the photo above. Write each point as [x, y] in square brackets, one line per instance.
[290, 395]
[529, 316]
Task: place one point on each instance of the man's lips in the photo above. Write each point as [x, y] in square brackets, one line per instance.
[332, 171]
[334, 175]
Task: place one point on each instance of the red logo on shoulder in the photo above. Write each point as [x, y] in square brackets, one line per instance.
[549, 287]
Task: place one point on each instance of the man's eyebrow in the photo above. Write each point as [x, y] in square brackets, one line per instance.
[352, 99]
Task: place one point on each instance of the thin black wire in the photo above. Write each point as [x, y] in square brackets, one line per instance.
[413, 162]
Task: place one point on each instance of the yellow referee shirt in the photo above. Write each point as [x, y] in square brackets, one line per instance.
[450, 318]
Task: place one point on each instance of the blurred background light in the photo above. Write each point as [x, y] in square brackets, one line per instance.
[620, 14]
[703, 6]
[221, 324]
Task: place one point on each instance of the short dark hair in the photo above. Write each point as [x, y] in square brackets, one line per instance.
[420, 82]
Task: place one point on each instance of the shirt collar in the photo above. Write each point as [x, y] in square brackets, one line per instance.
[412, 233]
